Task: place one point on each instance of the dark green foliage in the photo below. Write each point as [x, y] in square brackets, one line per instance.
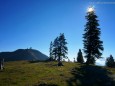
[60, 49]
[80, 57]
[110, 61]
[92, 43]
[55, 49]
[51, 51]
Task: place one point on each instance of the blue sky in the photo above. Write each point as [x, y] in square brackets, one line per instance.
[35, 23]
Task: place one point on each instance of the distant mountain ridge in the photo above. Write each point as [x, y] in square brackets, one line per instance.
[23, 54]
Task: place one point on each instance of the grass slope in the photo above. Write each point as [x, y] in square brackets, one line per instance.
[24, 73]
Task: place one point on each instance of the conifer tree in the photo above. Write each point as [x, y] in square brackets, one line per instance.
[80, 57]
[110, 61]
[55, 48]
[59, 50]
[92, 43]
[51, 51]
[62, 49]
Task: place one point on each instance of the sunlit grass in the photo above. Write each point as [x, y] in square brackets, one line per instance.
[24, 73]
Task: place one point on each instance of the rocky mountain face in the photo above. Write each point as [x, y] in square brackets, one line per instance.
[23, 54]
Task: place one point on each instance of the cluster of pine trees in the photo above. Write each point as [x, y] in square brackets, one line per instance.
[110, 62]
[58, 49]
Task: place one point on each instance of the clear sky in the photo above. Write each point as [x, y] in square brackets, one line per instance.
[35, 23]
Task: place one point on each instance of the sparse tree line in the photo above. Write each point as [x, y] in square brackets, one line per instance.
[91, 41]
[93, 46]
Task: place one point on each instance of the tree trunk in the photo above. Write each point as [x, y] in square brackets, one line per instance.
[88, 59]
[59, 61]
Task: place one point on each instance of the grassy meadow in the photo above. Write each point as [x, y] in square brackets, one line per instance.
[24, 73]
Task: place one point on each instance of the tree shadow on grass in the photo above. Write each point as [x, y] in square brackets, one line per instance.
[90, 76]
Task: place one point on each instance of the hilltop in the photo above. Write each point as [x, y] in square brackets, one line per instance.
[25, 73]
[23, 54]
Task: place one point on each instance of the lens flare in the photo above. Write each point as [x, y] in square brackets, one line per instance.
[90, 9]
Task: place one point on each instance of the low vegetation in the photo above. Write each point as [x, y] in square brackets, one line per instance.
[24, 73]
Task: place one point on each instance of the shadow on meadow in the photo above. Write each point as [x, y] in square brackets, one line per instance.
[90, 76]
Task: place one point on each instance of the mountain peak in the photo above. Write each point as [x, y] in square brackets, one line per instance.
[23, 54]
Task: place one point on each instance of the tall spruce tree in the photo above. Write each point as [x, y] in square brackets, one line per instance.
[62, 49]
[92, 43]
[80, 57]
[51, 51]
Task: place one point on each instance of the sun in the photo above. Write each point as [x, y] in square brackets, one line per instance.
[90, 9]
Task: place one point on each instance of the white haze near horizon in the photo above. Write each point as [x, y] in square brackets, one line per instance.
[99, 62]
